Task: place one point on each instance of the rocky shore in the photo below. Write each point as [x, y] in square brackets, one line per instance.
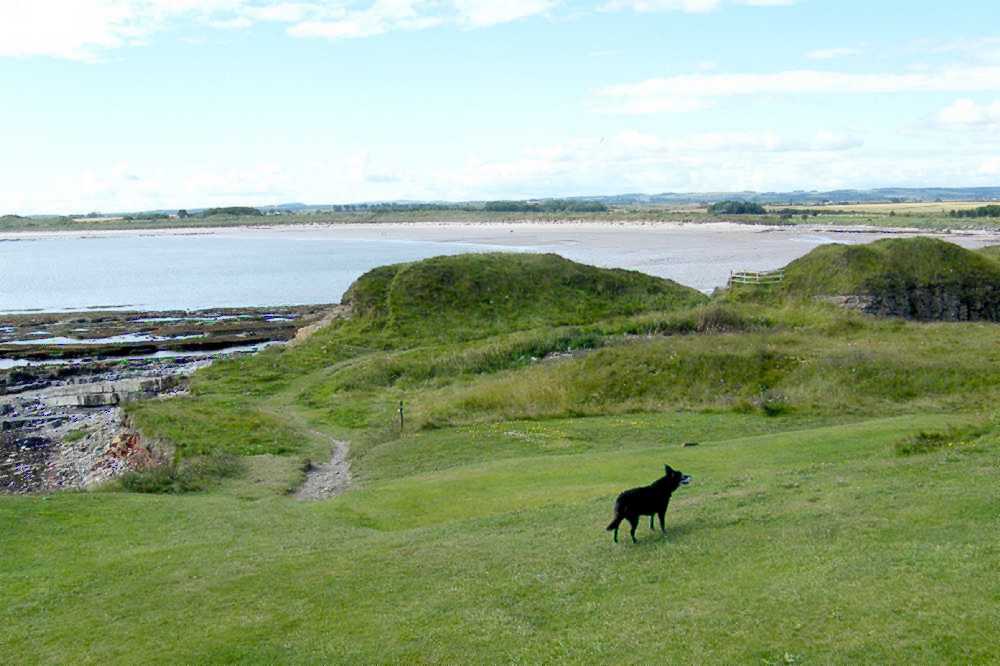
[61, 421]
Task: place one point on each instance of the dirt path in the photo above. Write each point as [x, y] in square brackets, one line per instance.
[324, 479]
[329, 479]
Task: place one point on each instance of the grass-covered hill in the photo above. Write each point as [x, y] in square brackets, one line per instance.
[992, 252]
[914, 278]
[474, 295]
[846, 467]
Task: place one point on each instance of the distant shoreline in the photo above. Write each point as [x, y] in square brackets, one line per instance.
[436, 225]
[888, 218]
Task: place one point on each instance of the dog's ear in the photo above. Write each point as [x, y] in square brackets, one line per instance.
[667, 470]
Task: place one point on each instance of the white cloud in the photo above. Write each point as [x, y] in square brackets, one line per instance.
[832, 54]
[638, 162]
[990, 167]
[965, 113]
[690, 90]
[690, 6]
[85, 29]
[982, 49]
[638, 106]
[479, 13]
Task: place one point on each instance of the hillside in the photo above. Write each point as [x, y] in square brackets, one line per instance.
[535, 390]
[991, 252]
[914, 278]
[475, 295]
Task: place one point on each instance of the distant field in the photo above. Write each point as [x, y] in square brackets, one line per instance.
[922, 208]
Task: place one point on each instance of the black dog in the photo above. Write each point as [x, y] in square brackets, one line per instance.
[647, 501]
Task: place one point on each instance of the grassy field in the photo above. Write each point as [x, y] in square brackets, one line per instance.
[907, 208]
[808, 544]
[926, 216]
[843, 509]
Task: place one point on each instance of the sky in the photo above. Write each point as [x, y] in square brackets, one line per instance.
[122, 105]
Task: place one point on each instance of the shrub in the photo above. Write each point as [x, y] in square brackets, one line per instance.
[195, 475]
[722, 319]
[926, 442]
[736, 208]
[992, 210]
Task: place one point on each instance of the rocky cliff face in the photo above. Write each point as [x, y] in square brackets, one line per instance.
[928, 303]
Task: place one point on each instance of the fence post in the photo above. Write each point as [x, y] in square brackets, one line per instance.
[401, 417]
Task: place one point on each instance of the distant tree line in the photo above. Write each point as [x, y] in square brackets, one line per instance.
[983, 211]
[231, 210]
[804, 212]
[392, 207]
[147, 216]
[547, 206]
[736, 208]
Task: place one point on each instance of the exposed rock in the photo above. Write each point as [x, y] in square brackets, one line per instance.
[936, 303]
[110, 393]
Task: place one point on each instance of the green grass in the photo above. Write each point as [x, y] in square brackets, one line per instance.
[75, 435]
[471, 296]
[916, 278]
[805, 544]
[991, 252]
[843, 510]
[201, 426]
[191, 475]
[892, 263]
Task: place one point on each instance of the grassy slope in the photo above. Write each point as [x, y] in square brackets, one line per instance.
[992, 252]
[509, 292]
[479, 536]
[818, 545]
[855, 269]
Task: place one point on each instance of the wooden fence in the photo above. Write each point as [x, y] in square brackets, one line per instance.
[751, 277]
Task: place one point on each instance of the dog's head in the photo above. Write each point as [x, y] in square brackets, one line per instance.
[674, 477]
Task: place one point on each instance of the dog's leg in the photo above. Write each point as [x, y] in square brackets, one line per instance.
[663, 527]
[613, 527]
[633, 523]
[651, 518]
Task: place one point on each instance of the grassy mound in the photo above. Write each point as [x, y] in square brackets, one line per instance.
[475, 295]
[914, 278]
[991, 252]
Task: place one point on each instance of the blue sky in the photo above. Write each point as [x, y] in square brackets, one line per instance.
[138, 104]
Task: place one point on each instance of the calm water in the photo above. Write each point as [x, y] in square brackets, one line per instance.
[304, 266]
[192, 272]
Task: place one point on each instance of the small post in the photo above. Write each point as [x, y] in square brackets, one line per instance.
[400, 416]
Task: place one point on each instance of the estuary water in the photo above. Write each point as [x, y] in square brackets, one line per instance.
[187, 270]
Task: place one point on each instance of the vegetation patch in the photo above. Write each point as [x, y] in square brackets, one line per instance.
[736, 208]
[991, 252]
[199, 426]
[193, 475]
[953, 437]
[914, 278]
[476, 295]
[991, 210]
[75, 435]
